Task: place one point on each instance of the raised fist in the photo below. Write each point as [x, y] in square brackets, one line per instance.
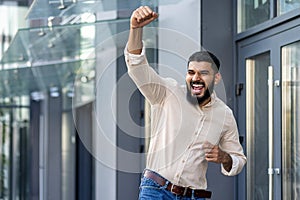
[142, 16]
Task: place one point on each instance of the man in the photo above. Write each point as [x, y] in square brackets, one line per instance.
[190, 126]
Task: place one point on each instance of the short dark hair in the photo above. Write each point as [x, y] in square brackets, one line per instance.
[207, 57]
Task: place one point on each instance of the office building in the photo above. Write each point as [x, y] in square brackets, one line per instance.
[74, 126]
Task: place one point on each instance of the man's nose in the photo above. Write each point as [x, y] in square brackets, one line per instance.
[196, 77]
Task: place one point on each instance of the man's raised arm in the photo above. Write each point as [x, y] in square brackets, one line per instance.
[139, 18]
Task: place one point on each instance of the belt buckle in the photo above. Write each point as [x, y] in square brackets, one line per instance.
[184, 192]
[172, 187]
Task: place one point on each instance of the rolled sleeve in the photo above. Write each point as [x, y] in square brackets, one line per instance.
[134, 59]
[236, 168]
[230, 143]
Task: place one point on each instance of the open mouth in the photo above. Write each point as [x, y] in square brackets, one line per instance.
[197, 87]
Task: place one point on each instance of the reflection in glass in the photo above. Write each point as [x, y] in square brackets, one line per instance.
[285, 6]
[41, 9]
[251, 13]
[291, 121]
[14, 148]
[257, 126]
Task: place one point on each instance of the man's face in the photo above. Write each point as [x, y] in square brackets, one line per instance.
[200, 80]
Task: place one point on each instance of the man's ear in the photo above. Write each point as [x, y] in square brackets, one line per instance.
[218, 78]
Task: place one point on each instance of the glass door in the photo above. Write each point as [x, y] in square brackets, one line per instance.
[257, 125]
[291, 120]
[269, 67]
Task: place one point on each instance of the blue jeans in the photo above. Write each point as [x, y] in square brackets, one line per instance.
[150, 190]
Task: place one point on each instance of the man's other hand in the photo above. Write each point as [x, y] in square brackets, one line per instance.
[214, 154]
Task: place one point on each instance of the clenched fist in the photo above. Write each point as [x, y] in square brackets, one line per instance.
[214, 154]
[142, 16]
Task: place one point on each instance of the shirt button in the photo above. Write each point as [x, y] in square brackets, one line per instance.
[183, 161]
[177, 175]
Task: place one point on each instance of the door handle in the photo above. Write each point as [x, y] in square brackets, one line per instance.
[272, 171]
[277, 171]
[270, 127]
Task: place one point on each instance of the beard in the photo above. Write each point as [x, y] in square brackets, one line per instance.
[196, 100]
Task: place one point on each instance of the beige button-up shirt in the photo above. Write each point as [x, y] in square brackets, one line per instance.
[179, 129]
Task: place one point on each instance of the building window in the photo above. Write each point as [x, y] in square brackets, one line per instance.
[285, 6]
[253, 12]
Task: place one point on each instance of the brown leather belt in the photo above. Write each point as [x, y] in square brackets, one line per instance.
[175, 189]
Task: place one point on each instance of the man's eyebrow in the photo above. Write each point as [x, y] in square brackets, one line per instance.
[204, 71]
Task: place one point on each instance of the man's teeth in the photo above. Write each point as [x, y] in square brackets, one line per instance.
[197, 85]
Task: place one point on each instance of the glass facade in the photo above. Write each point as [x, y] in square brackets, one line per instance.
[14, 114]
[57, 62]
[53, 62]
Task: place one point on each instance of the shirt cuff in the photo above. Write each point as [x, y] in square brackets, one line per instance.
[234, 168]
[134, 59]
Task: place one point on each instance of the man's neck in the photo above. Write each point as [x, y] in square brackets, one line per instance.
[206, 101]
